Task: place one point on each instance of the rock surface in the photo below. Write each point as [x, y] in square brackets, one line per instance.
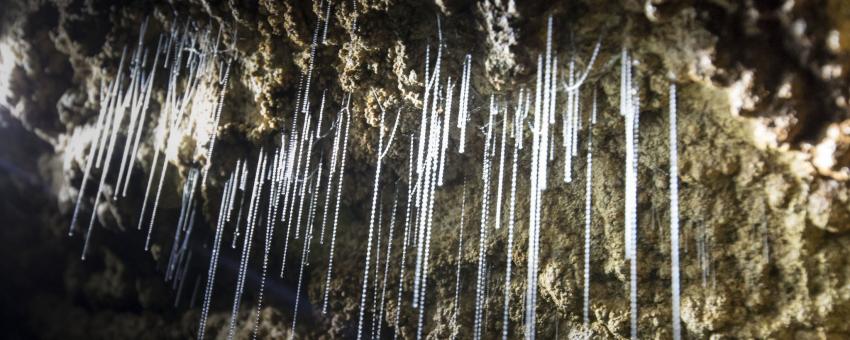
[764, 144]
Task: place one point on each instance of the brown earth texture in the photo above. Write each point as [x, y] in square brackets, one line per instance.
[763, 145]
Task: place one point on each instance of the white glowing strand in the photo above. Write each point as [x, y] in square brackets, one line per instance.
[162, 128]
[521, 123]
[534, 201]
[133, 94]
[569, 128]
[187, 202]
[283, 169]
[176, 263]
[331, 172]
[485, 209]
[634, 231]
[587, 223]
[313, 45]
[115, 122]
[553, 94]
[626, 112]
[568, 125]
[182, 279]
[336, 209]
[634, 165]
[149, 89]
[270, 222]
[674, 216]
[500, 185]
[428, 221]
[375, 190]
[298, 190]
[423, 125]
[422, 213]
[305, 252]
[212, 269]
[446, 119]
[387, 260]
[422, 178]
[624, 86]
[581, 79]
[216, 120]
[156, 203]
[425, 215]
[551, 144]
[576, 121]
[148, 189]
[108, 119]
[289, 185]
[89, 162]
[289, 166]
[511, 221]
[290, 199]
[544, 134]
[259, 178]
[242, 187]
[178, 109]
[327, 19]
[404, 244]
[321, 115]
[543, 130]
[302, 195]
[463, 105]
[392, 134]
[278, 167]
[375, 285]
[547, 74]
[456, 311]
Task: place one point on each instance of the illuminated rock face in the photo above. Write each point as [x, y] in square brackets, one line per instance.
[762, 147]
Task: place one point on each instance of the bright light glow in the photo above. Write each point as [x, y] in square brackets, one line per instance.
[739, 94]
[824, 152]
[7, 63]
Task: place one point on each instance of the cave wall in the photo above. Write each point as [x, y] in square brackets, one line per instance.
[762, 145]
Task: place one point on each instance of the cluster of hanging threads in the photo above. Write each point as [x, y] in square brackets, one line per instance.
[293, 186]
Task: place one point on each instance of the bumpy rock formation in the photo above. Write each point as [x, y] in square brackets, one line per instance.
[764, 150]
